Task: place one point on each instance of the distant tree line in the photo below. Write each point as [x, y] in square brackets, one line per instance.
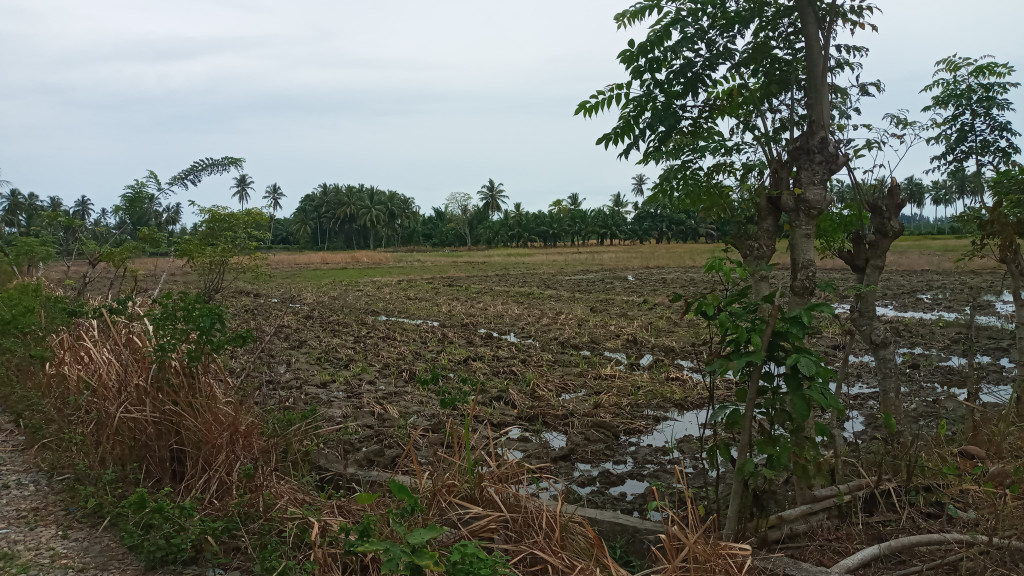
[336, 216]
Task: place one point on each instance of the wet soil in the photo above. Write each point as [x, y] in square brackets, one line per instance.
[592, 374]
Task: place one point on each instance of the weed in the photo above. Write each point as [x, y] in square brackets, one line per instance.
[449, 394]
[164, 532]
[11, 563]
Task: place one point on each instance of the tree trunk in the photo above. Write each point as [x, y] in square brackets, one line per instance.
[1014, 262]
[732, 520]
[758, 248]
[866, 258]
[816, 156]
[803, 271]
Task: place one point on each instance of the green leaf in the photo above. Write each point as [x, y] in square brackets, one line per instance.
[801, 407]
[428, 560]
[746, 469]
[421, 536]
[365, 498]
[807, 366]
[401, 491]
[890, 423]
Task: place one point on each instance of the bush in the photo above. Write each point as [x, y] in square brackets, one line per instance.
[164, 532]
[222, 247]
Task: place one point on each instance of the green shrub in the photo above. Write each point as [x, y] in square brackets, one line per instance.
[186, 320]
[164, 532]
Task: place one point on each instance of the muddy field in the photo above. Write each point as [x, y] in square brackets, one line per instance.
[592, 374]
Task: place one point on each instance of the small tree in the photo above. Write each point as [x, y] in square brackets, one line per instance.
[861, 231]
[459, 206]
[29, 254]
[970, 105]
[222, 247]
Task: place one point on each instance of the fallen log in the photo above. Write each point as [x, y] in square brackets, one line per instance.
[833, 491]
[808, 509]
[869, 555]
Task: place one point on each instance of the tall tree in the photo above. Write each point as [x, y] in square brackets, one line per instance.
[969, 104]
[459, 206]
[639, 185]
[373, 212]
[54, 204]
[242, 188]
[82, 208]
[917, 193]
[493, 197]
[273, 196]
[741, 91]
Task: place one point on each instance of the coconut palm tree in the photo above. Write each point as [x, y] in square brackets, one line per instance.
[12, 208]
[493, 197]
[242, 187]
[916, 192]
[172, 214]
[81, 208]
[619, 203]
[102, 218]
[373, 212]
[639, 185]
[304, 221]
[347, 201]
[574, 202]
[54, 204]
[273, 195]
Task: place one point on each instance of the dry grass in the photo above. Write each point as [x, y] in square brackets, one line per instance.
[492, 498]
[181, 424]
[281, 260]
[690, 545]
[184, 427]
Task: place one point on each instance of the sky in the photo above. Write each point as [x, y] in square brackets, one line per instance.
[424, 98]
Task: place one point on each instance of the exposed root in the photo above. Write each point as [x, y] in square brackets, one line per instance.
[869, 555]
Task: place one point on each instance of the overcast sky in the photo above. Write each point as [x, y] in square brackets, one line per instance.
[421, 97]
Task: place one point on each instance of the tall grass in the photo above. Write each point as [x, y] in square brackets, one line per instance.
[182, 424]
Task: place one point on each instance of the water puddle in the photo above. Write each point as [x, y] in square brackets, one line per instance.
[689, 368]
[510, 337]
[958, 362]
[854, 424]
[557, 440]
[866, 359]
[631, 489]
[407, 321]
[617, 356]
[676, 426]
[890, 312]
[1003, 303]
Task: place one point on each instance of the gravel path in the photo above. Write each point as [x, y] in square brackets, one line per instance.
[39, 536]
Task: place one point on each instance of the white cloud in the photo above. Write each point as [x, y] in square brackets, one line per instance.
[422, 97]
